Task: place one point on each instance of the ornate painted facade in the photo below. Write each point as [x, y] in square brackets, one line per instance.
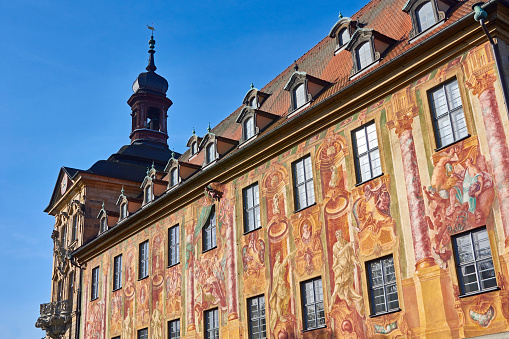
[415, 212]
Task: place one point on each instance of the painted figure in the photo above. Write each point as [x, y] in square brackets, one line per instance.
[275, 204]
[279, 296]
[157, 320]
[343, 266]
[128, 326]
[470, 189]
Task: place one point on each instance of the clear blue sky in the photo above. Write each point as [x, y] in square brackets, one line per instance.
[67, 70]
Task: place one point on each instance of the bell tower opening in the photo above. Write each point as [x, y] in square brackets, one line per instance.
[153, 119]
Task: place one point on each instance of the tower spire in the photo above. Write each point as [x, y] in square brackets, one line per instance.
[151, 43]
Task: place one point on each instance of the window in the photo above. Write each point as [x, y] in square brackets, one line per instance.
[211, 324]
[104, 224]
[59, 291]
[117, 337]
[382, 285]
[194, 148]
[364, 55]
[174, 329]
[173, 245]
[474, 263]
[95, 283]
[143, 260]
[425, 16]
[117, 272]
[256, 309]
[253, 103]
[148, 193]
[70, 292]
[312, 300]
[251, 208]
[74, 228]
[64, 234]
[344, 37]
[174, 177]
[209, 232]
[211, 153]
[299, 94]
[248, 128]
[143, 333]
[303, 180]
[123, 210]
[367, 156]
[449, 120]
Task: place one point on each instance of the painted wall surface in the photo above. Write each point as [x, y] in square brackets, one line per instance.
[410, 212]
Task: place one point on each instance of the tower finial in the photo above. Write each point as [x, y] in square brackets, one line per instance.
[340, 16]
[151, 43]
[122, 191]
[173, 154]
[194, 132]
[252, 86]
[208, 128]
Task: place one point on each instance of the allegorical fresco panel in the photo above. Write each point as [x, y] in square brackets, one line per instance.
[333, 239]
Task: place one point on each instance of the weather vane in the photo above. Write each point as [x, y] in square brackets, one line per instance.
[151, 28]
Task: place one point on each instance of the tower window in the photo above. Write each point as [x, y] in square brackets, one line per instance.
[425, 16]
[153, 119]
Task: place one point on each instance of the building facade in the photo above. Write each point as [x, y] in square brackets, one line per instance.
[361, 193]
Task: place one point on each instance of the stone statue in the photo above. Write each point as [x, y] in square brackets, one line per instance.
[343, 266]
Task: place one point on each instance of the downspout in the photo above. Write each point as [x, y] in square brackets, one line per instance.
[480, 15]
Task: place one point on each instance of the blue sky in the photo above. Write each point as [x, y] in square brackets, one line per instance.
[67, 71]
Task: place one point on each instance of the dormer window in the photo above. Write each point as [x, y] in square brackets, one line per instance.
[123, 210]
[194, 148]
[254, 98]
[103, 224]
[211, 153]
[343, 37]
[426, 14]
[252, 102]
[303, 89]
[174, 177]
[194, 144]
[367, 47]
[299, 96]
[148, 194]
[253, 121]
[364, 55]
[248, 128]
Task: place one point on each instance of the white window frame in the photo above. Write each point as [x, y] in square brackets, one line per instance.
[374, 162]
[173, 245]
[143, 260]
[117, 272]
[94, 290]
[209, 234]
[251, 212]
[307, 184]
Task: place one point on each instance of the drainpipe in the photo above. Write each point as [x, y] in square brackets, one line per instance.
[480, 15]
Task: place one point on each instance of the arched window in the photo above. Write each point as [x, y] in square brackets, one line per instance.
[344, 37]
[194, 148]
[211, 153]
[364, 55]
[253, 103]
[425, 16]
[248, 128]
[174, 177]
[299, 96]
[123, 210]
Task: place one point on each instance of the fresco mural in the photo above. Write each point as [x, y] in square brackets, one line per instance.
[333, 239]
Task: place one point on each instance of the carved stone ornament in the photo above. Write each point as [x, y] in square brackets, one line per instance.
[214, 191]
[62, 257]
[55, 318]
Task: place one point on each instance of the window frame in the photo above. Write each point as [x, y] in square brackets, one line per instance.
[295, 102]
[74, 232]
[358, 173]
[94, 286]
[123, 210]
[174, 244]
[148, 192]
[342, 43]
[315, 304]
[358, 55]
[418, 17]
[215, 319]
[117, 272]
[249, 132]
[103, 224]
[143, 260]
[210, 152]
[194, 147]
[260, 320]
[174, 176]
[476, 261]
[256, 207]
[213, 231]
[170, 329]
[304, 183]
[434, 117]
[143, 335]
[384, 284]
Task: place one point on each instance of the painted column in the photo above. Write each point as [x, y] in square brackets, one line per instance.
[190, 281]
[230, 263]
[480, 67]
[417, 211]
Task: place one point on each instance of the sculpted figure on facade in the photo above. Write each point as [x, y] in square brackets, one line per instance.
[280, 295]
[343, 266]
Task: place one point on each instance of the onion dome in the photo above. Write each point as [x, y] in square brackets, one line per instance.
[150, 82]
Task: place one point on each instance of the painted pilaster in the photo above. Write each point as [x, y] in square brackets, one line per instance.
[480, 70]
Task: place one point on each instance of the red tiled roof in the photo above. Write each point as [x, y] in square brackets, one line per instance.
[383, 16]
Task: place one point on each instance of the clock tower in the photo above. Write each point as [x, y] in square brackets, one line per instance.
[149, 105]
